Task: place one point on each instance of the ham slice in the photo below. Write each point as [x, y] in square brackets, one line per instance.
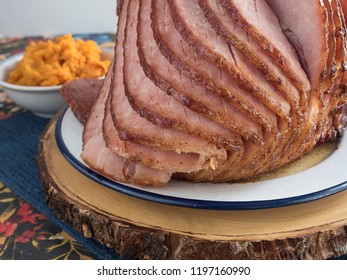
[343, 16]
[195, 29]
[133, 128]
[81, 94]
[237, 37]
[304, 25]
[163, 149]
[215, 91]
[341, 40]
[159, 108]
[186, 90]
[260, 23]
[203, 71]
[157, 159]
[105, 161]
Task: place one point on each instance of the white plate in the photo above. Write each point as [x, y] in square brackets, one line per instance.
[324, 179]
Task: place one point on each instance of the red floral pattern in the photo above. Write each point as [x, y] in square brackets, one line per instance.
[26, 214]
[27, 234]
[7, 229]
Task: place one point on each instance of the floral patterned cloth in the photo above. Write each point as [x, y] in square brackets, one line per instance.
[7, 107]
[24, 232]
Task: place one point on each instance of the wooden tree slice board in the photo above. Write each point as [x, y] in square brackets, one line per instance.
[139, 229]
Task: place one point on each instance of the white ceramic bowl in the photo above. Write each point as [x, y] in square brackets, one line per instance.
[43, 101]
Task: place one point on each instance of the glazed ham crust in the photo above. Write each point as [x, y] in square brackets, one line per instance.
[214, 91]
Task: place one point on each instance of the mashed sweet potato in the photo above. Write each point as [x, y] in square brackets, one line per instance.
[49, 63]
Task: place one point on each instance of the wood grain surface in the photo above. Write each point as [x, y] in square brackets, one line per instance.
[139, 229]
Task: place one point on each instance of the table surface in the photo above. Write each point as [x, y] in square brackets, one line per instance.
[25, 233]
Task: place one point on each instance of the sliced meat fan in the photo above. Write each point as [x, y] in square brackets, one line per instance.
[215, 91]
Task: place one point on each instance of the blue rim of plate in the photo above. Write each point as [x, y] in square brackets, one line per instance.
[185, 202]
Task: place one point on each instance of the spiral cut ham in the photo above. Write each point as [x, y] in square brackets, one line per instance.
[214, 91]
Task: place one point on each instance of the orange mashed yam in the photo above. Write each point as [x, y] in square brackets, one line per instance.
[50, 63]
